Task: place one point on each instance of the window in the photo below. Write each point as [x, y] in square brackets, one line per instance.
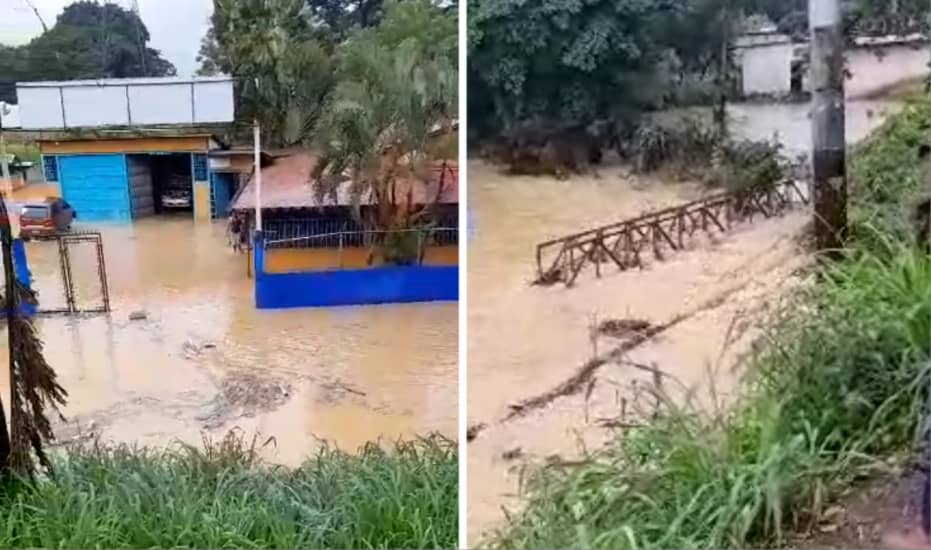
[35, 212]
[50, 167]
[200, 167]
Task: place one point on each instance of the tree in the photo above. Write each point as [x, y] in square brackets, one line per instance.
[89, 40]
[284, 73]
[34, 386]
[397, 85]
[575, 62]
[340, 17]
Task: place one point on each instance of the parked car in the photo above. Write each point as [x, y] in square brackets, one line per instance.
[178, 192]
[52, 215]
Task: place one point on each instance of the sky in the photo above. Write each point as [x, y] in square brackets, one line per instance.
[176, 26]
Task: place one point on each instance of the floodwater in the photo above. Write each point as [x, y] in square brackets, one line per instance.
[204, 360]
[525, 340]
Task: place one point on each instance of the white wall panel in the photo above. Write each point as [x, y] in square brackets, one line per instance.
[213, 102]
[95, 106]
[165, 104]
[126, 102]
[40, 108]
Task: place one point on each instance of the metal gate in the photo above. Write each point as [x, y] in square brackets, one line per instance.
[101, 298]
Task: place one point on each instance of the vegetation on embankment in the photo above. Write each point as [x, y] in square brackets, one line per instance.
[223, 496]
[835, 387]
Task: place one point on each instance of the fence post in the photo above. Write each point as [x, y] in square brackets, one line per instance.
[22, 274]
[339, 260]
[258, 254]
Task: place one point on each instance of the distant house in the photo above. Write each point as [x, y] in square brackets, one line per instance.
[304, 231]
[772, 64]
[9, 115]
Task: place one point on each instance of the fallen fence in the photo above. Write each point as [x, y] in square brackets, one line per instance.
[622, 243]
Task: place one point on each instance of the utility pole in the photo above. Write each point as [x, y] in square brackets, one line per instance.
[828, 125]
[4, 163]
[720, 114]
[257, 151]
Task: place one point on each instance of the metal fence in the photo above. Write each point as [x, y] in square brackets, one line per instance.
[340, 233]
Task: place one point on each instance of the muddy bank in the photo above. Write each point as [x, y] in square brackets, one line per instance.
[884, 512]
[198, 357]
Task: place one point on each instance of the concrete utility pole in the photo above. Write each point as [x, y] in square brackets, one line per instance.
[257, 146]
[828, 124]
[4, 162]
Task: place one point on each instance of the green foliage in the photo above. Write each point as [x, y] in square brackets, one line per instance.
[89, 40]
[888, 174]
[398, 84]
[753, 164]
[687, 143]
[223, 496]
[285, 73]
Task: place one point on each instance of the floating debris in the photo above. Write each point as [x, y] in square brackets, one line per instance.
[623, 328]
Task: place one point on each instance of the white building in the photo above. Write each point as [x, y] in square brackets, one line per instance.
[771, 64]
[9, 115]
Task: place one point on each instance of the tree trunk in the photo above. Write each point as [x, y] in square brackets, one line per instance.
[6, 243]
[828, 125]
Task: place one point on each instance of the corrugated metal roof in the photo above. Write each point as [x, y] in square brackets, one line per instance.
[286, 184]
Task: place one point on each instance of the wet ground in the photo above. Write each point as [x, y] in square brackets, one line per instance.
[524, 340]
[199, 358]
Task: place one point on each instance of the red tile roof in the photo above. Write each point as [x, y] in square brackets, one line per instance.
[286, 184]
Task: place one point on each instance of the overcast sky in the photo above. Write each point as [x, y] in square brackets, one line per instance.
[176, 26]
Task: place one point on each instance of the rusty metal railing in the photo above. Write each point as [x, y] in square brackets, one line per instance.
[622, 243]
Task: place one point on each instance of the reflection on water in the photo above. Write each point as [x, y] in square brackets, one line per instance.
[204, 357]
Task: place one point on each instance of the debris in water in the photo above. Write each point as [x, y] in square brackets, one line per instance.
[475, 429]
[138, 316]
[513, 454]
[549, 278]
[623, 328]
[245, 395]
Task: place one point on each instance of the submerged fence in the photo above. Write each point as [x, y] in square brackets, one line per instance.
[622, 243]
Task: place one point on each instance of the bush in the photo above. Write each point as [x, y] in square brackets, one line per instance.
[752, 164]
[224, 497]
[685, 146]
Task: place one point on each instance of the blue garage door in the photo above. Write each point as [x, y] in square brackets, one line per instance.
[97, 186]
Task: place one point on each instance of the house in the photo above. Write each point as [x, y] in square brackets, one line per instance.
[122, 149]
[305, 231]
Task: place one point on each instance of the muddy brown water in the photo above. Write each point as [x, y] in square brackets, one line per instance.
[204, 360]
[525, 340]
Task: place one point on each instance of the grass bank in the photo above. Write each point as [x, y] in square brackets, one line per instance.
[223, 496]
[837, 385]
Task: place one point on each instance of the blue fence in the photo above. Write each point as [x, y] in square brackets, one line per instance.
[341, 287]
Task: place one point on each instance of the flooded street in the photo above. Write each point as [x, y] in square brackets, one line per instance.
[524, 340]
[205, 360]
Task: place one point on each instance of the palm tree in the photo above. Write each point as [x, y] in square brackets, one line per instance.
[33, 383]
[376, 137]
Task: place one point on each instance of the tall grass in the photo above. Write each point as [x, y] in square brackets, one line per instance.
[223, 496]
[837, 386]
